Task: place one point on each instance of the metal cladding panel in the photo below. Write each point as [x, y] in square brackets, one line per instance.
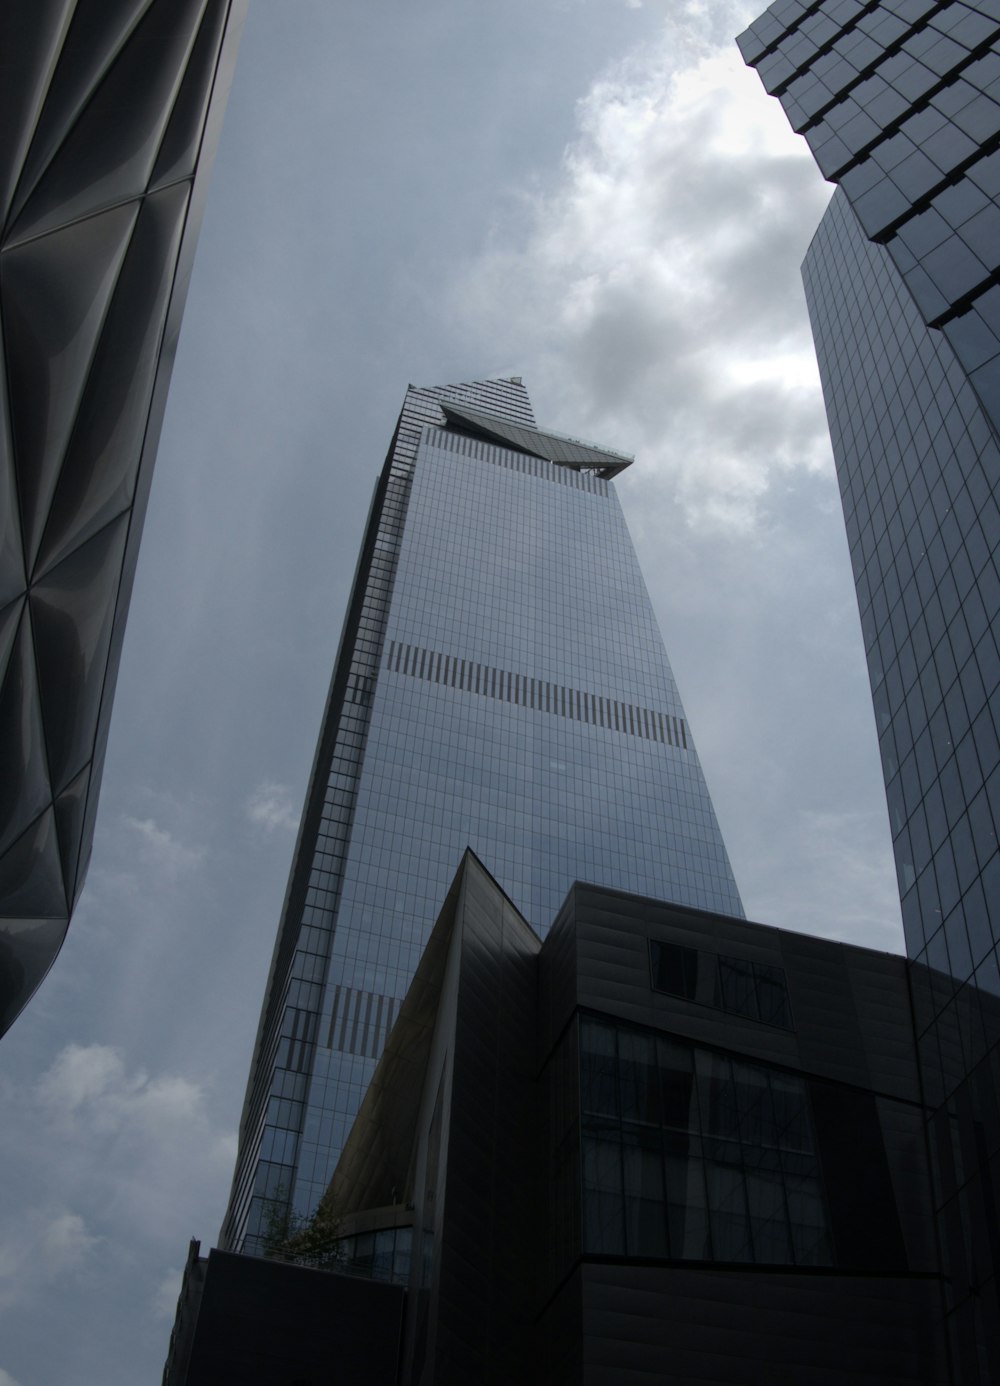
[645, 1325]
[95, 256]
[260, 1321]
[556, 447]
[850, 1006]
[557, 1349]
[484, 1285]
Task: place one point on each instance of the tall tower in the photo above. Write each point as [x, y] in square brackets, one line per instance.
[501, 684]
[109, 119]
[900, 104]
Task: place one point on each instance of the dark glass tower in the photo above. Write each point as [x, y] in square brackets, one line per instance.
[501, 685]
[900, 103]
[109, 118]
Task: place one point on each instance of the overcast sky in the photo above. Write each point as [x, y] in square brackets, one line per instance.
[593, 194]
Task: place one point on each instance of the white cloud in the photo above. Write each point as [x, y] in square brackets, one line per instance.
[6, 1379]
[40, 1245]
[163, 1301]
[66, 1243]
[134, 1151]
[81, 1074]
[162, 848]
[90, 1086]
[655, 291]
[270, 807]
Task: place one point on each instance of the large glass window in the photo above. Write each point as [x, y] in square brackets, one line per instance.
[755, 990]
[693, 1155]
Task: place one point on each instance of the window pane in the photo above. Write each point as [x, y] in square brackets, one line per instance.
[687, 1216]
[603, 1213]
[768, 1217]
[677, 1090]
[599, 1069]
[640, 1097]
[772, 995]
[645, 1229]
[675, 969]
[736, 983]
[808, 1222]
[727, 1210]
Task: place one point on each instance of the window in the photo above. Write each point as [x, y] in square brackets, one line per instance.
[757, 991]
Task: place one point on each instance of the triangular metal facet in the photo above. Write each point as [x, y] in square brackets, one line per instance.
[35, 34]
[108, 155]
[56, 291]
[13, 578]
[178, 151]
[73, 612]
[24, 784]
[31, 879]
[10, 615]
[97, 480]
[27, 950]
[70, 810]
[89, 47]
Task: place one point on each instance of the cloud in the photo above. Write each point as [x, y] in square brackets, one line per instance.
[655, 291]
[81, 1074]
[6, 1379]
[845, 849]
[270, 807]
[163, 1301]
[162, 849]
[90, 1084]
[66, 1243]
[133, 1151]
[40, 1245]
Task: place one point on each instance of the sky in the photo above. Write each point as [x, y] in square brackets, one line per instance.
[595, 195]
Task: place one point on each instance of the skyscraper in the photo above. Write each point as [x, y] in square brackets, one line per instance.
[501, 685]
[109, 117]
[900, 103]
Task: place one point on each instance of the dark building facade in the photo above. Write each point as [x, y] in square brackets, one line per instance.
[663, 1145]
[900, 103]
[501, 683]
[109, 114]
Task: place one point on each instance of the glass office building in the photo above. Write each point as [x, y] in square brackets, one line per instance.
[501, 685]
[900, 103]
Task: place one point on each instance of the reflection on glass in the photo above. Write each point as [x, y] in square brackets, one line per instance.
[757, 991]
[692, 1155]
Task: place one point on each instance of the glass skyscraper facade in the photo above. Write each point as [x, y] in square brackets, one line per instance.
[501, 685]
[900, 103]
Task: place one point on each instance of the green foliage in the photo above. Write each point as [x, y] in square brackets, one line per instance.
[308, 1241]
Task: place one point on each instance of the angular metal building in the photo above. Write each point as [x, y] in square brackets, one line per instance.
[501, 685]
[900, 104]
[110, 112]
[665, 1145]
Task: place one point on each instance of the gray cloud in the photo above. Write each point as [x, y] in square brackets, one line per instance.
[272, 808]
[654, 290]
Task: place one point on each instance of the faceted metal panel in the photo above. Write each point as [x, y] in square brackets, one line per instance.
[102, 158]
